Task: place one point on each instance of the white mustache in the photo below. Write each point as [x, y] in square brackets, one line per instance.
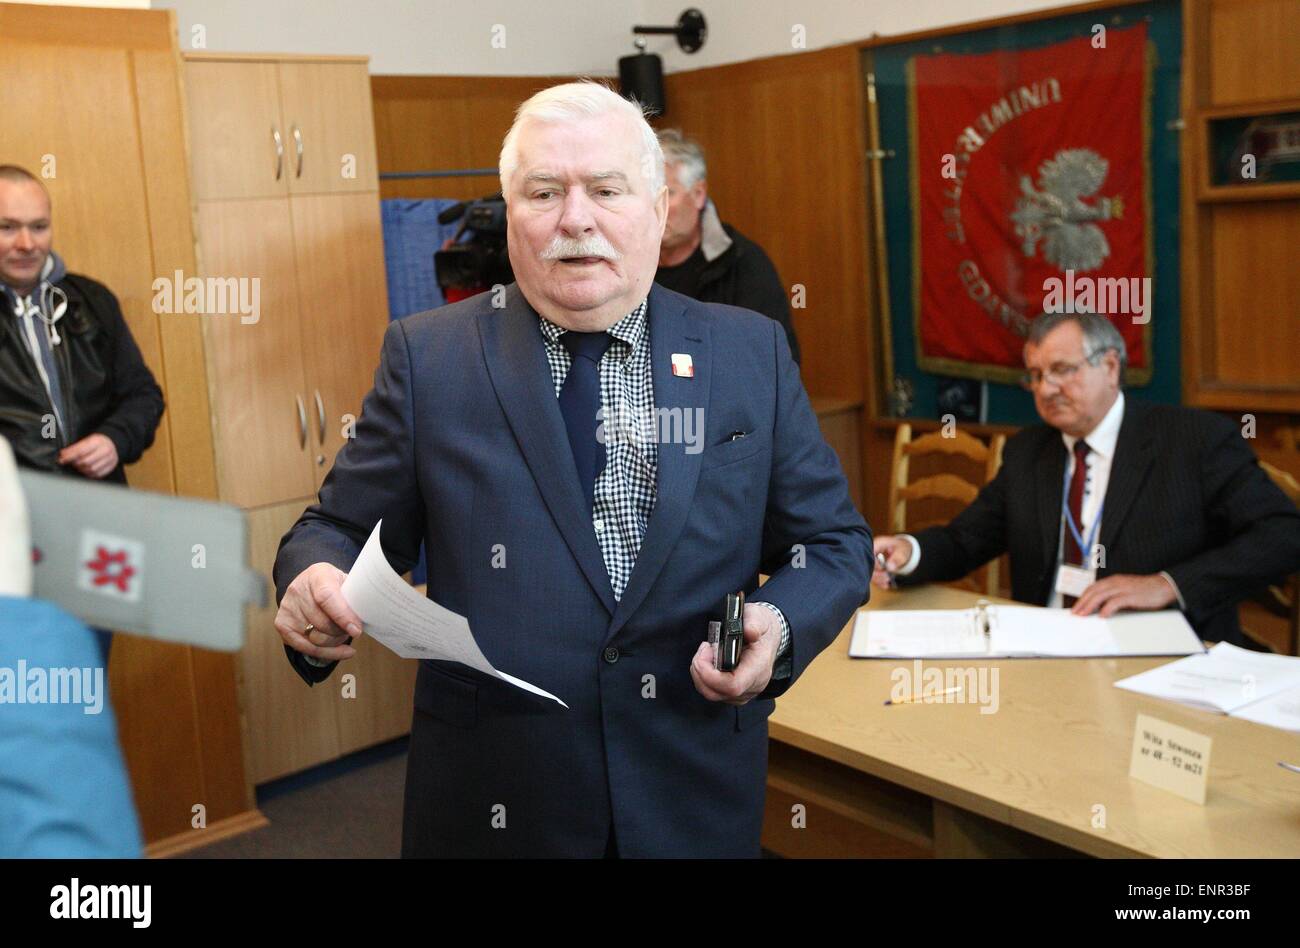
[561, 247]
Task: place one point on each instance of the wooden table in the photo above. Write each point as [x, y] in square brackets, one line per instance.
[1046, 774]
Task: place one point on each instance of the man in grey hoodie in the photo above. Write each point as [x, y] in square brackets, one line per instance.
[75, 393]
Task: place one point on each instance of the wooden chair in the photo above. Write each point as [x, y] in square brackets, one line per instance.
[945, 486]
[1283, 600]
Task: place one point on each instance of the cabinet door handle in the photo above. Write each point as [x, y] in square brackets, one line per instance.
[297, 144]
[320, 415]
[302, 422]
[279, 152]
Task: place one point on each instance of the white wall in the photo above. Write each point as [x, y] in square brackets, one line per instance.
[552, 37]
[749, 29]
[424, 37]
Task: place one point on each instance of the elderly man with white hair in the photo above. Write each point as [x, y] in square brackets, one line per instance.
[593, 463]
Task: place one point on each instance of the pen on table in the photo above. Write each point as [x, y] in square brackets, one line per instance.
[883, 563]
[1292, 767]
[956, 689]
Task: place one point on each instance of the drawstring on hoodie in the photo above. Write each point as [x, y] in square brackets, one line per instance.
[51, 303]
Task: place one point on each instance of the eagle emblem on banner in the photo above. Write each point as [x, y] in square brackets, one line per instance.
[1056, 213]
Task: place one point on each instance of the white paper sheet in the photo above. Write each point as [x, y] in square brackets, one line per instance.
[1282, 710]
[1049, 633]
[1226, 679]
[911, 633]
[398, 617]
[1018, 632]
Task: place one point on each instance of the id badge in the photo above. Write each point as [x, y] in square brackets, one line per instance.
[1073, 580]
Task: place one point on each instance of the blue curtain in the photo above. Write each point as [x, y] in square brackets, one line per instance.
[411, 235]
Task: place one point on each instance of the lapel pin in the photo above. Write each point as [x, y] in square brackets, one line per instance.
[682, 365]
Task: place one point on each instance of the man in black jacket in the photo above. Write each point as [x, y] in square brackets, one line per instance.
[706, 259]
[1115, 505]
[75, 394]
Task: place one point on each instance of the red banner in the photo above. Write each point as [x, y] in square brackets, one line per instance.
[1031, 194]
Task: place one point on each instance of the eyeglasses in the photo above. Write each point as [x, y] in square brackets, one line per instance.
[1057, 374]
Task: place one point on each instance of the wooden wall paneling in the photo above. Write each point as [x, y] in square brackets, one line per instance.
[785, 144]
[329, 105]
[1254, 286]
[340, 294]
[1255, 47]
[1194, 250]
[1240, 323]
[257, 371]
[425, 123]
[234, 114]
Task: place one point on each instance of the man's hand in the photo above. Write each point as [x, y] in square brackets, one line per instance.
[94, 455]
[757, 658]
[1114, 593]
[315, 597]
[897, 550]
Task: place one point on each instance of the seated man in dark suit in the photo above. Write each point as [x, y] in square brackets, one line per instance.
[523, 440]
[1114, 504]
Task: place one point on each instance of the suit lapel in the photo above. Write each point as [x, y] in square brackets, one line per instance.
[671, 330]
[1134, 451]
[516, 360]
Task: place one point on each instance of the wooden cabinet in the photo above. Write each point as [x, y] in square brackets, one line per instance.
[257, 376]
[1240, 332]
[92, 102]
[237, 143]
[289, 726]
[272, 127]
[331, 132]
[303, 227]
[338, 245]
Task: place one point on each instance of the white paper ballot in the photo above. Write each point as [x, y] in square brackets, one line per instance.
[398, 617]
[1256, 686]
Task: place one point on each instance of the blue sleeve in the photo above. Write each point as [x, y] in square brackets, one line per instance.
[64, 790]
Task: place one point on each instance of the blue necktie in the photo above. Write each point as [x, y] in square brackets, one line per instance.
[579, 404]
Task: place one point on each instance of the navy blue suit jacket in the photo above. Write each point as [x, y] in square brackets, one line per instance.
[461, 445]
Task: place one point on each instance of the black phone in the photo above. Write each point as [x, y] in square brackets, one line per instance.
[728, 635]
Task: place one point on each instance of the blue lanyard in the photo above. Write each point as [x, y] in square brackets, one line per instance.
[1085, 549]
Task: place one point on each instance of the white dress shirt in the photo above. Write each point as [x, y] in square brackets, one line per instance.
[1101, 440]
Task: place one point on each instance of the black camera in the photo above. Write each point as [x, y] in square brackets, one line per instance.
[467, 267]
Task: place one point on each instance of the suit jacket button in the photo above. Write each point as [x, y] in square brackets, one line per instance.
[611, 655]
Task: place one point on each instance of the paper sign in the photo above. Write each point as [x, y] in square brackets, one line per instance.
[1171, 758]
